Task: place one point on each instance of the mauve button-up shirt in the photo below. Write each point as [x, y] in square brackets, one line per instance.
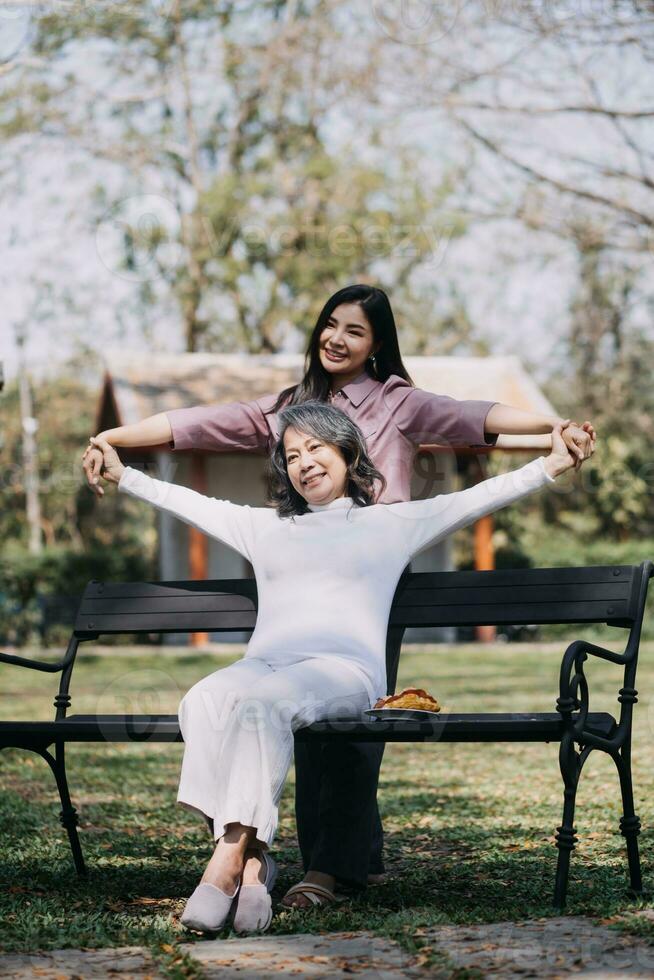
[394, 417]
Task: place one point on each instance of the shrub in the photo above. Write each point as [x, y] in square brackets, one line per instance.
[26, 580]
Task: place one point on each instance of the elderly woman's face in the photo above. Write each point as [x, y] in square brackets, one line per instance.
[316, 468]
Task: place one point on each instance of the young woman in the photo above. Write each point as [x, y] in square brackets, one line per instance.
[327, 561]
[354, 363]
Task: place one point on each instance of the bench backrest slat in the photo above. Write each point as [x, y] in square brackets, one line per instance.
[167, 607]
[149, 590]
[161, 605]
[515, 614]
[197, 622]
[599, 594]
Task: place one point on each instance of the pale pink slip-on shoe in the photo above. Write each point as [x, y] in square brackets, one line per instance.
[253, 910]
[208, 908]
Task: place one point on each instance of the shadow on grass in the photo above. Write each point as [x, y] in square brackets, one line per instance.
[140, 879]
[455, 856]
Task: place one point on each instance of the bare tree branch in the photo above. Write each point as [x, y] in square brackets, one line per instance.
[623, 209]
[589, 109]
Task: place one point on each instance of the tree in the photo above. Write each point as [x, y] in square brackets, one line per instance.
[226, 195]
[610, 356]
[62, 405]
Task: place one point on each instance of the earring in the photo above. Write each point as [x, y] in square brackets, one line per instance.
[373, 359]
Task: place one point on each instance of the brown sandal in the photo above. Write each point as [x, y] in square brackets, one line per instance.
[317, 894]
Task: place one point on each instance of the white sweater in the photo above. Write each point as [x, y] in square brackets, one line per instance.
[326, 579]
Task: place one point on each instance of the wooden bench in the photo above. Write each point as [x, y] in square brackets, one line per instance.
[608, 594]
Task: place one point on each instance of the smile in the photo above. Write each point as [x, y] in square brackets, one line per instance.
[310, 480]
[332, 356]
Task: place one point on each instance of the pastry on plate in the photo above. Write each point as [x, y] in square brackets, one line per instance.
[410, 697]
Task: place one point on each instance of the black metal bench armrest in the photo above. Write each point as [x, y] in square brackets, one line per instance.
[51, 668]
[596, 651]
[573, 684]
[574, 657]
[581, 648]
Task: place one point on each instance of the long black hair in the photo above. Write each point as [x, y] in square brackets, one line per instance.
[333, 426]
[316, 383]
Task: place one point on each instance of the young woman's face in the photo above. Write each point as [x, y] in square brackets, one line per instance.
[346, 342]
[316, 468]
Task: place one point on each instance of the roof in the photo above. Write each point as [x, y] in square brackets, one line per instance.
[138, 385]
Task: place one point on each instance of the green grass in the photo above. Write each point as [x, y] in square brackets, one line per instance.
[469, 828]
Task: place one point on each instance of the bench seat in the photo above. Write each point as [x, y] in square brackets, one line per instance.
[543, 726]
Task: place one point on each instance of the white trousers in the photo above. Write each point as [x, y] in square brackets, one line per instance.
[238, 725]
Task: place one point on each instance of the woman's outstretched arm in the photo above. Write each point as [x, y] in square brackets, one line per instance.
[234, 426]
[429, 521]
[507, 420]
[153, 431]
[220, 519]
[425, 418]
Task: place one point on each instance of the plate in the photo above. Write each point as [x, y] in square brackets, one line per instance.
[402, 714]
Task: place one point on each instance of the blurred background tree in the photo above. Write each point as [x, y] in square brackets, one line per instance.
[209, 173]
[77, 547]
[224, 193]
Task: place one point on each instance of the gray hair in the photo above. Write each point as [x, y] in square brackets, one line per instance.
[333, 426]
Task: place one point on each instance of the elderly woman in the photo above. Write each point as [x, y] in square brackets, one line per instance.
[327, 561]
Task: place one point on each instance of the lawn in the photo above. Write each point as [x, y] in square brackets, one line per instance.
[469, 828]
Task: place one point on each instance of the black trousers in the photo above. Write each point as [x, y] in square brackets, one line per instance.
[338, 823]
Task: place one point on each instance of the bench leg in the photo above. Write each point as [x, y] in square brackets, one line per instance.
[629, 822]
[571, 763]
[68, 815]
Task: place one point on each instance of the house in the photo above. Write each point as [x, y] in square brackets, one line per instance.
[137, 385]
